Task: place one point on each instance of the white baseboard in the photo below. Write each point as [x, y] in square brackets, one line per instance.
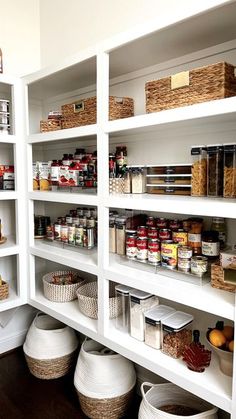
[12, 341]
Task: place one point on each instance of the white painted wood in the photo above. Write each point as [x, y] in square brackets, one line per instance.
[77, 132]
[64, 197]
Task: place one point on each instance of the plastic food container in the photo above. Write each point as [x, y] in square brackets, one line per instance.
[170, 169]
[215, 170]
[199, 170]
[140, 302]
[153, 319]
[230, 170]
[176, 333]
[123, 320]
[169, 190]
[169, 179]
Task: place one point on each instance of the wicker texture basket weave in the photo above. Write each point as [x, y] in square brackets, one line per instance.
[4, 290]
[217, 279]
[216, 81]
[88, 300]
[49, 369]
[60, 293]
[50, 125]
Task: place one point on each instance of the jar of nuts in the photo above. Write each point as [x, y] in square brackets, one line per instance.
[176, 333]
[199, 170]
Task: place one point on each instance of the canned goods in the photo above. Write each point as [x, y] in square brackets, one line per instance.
[57, 231]
[175, 224]
[79, 233]
[142, 231]
[180, 236]
[71, 234]
[185, 252]
[184, 265]
[64, 233]
[50, 232]
[154, 251]
[165, 234]
[131, 245]
[152, 233]
[142, 248]
[151, 222]
[169, 254]
[199, 265]
[162, 223]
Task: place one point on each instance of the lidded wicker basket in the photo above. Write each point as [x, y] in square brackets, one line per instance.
[58, 292]
[50, 347]
[4, 290]
[88, 300]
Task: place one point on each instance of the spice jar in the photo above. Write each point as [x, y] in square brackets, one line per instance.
[230, 170]
[123, 320]
[218, 224]
[176, 333]
[120, 236]
[199, 170]
[194, 236]
[140, 302]
[215, 170]
[153, 319]
[210, 244]
[199, 265]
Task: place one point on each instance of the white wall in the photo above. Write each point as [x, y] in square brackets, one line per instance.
[20, 36]
[68, 26]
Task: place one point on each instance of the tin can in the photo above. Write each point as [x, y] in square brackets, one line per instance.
[90, 222]
[142, 248]
[131, 245]
[165, 234]
[71, 234]
[185, 252]
[50, 232]
[79, 233]
[64, 233]
[142, 231]
[153, 233]
[180, 236]
[87, 212]
[199, 265]
[162, 223]
[154, 252]
[169, 254]
[57, 231]
[184, 265]
[151, 222]
[175, 224]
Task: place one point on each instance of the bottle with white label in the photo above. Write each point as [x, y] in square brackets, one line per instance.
[210, 244]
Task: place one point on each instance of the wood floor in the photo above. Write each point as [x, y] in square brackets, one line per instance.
[22, 396]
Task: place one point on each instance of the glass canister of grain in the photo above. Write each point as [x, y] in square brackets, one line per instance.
[230, 170]
[120, 235]
[123, 320]
[215, 170]
[199, 170]
[153, 319]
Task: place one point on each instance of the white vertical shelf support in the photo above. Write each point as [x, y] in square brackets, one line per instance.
[233, 407]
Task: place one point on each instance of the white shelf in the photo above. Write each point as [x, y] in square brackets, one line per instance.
[5, 195]
[63, 134]
[9, 247]
[64, 197]
[12, 301]
[81, 259]
[143, 277]
[211, 385]
[9, 139]
[212, 207]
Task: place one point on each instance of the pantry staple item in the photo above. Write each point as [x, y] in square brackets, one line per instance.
[176, 333]
[169, 169]
[210, 244]
[142, 249]
[195, 237]
[230, 170]
[4, 289]
[153, 320]
[154, 251]
[215, 170]
[169, 256]
[4, 105]
[199, 265]
[169, 179]
[104, 381]
[123, 320]
[61, 286]
[228, 259]
[199, 170]
[138, 179]
[169, 190]
[112, 235]
[167, 401]
[184, 258]
[218, 224]
[120, 235]
[50, 347]
[180, 236]
[218, 278]
[140, 302]
[211, 82]
[131, 244]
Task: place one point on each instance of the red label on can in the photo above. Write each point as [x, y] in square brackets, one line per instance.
[153, 233]
[142, 231]
[131, 241]
[154, 245]
[162, 223]
[151, 222]
[142, 244]
[165, 234]
[174, 224]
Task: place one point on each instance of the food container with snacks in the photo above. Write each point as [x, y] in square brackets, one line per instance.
[199, 170]
[230, 170]
[169, 190]
[169, 254]
[140, 302]
[215, 170]
[199, 265]
[123, 320]
[169, 179]
[170, 169]
[176, 333]
[184, 258]
[153, 320]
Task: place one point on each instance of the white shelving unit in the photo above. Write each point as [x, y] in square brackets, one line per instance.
[120, 67]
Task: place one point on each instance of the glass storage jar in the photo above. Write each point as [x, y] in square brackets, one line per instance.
[120, 235]
[210, 244]
[153, 319]
[140, 302]
[112, 235]
[123, 320]
[176, 333]
[199, 170]
[194, 236]
[138, 180]
[230, 170]
[218, 224]
[127, 181]
[215, 170]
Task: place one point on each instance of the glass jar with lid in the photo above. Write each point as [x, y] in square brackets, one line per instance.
[153, 320]
[210, 244]
[218, 224]
[215, 170]
[176, 333]
[194, 236]
[123, 320]
[230, 170]
[199, 170]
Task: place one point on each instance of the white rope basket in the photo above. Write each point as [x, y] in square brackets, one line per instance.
[61, 293]
[88, 300]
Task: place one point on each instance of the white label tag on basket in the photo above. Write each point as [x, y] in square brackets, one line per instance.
[79, 106]
[180, 80]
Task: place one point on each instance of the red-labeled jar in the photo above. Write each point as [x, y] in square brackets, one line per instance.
[131, 244]
[142, 248]
[153, 233]
[142, 231]
[162, 223]
[165, 234]
[154, 252]
[151, 222]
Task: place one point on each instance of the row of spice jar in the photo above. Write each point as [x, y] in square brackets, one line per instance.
[214, 170]
[5, 117]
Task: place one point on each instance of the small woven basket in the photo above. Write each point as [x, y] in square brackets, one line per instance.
[60, 293]
[217, 279]
[88, 300]
[112, 408]
[49, 369]
[216, 81]
[50, 125]
[4, 290]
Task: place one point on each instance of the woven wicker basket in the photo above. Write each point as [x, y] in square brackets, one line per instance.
[60, 293]
[50, 125]
[49, 369]
[84, 112]
[217, 279]
[216, 81]
[88, 301]
[4, 290]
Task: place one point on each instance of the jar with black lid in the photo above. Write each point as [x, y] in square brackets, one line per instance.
[210, 244]
[215, 170]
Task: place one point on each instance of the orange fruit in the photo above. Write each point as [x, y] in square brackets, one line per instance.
[217, 338]
[228, 332]
[231, 346]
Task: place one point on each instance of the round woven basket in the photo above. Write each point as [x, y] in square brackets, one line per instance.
[48, 369]
[60, 293]
[88, 300]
